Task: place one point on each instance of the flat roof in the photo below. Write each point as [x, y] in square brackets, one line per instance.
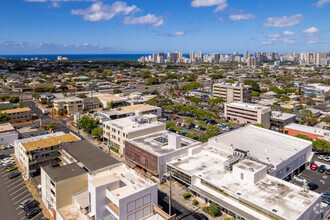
[91, 156]
[308, 129]
[25, 109]
[109, 98]
[282, 115]
[131, 109]
[269, 193]
[58, 174]
[248, 105]
[48, 142]
[157, 143]
[6, 127]
[68, 99]
[131, 181]
[129, 124]
[267, 145]
[70, 212]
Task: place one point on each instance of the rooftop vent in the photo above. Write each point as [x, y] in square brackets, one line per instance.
[239, 153]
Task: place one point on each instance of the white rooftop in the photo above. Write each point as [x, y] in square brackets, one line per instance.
[68, 99]
[308, 129]
[267, 145]
[6, 127]
[133, 123]
[130, 181]
[248, 105]
[41, 137]
[281, 115]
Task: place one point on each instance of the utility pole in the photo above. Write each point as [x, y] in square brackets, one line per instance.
[78, 122]
[170, 197]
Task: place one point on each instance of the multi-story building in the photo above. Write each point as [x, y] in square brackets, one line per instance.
[232, 91]
[119, 192]
[153, 151]
[7, 134]
[69, 105]
[252, 61]
[280, 119]
[246, 113]
[18, 114]
[116, 132]
[312, 132]
[91, 103]
[242, 171]
[42, 150]
[109, 98]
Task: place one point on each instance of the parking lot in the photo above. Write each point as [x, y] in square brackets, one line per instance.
[12, 193]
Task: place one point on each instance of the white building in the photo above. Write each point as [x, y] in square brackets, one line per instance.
[119, 192]
[7, 134]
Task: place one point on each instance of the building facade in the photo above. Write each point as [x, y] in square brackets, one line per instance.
[8, 134]
[69, 105]
[232, 92]
[280, 119]
[312, 132]
[18, 114]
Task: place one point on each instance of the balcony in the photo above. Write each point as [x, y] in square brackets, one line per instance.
[113, 208]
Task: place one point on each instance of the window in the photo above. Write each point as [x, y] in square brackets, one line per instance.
[242, 176]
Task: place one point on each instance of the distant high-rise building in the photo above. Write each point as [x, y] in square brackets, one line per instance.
[307, 58]
[172, 57]
[199, 54]
[154, 57]
[192, 56]
[232, 92]
[246, 55]
[235, 53]
[161, 58]
[252, 61]
[180, 54]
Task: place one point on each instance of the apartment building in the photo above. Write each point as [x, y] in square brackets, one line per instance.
[152, 151]
[18, 114]
[7, 134]
[280, 119]
[312, 132]
[116, 132]
[232, 92]
[246, 113]
[242, 171]
[119, 192]
[69, 105]
[109, 98]
[38, 151]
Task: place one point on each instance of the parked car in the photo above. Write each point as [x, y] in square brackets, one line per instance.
[31, 205]
[14, 175]
[327, 159]
[312, 186]
[328, 172]
[33, 212]
[299, 179]
[314, 166]
[25, 201]
[9, 169]
[321, 157]
[322, 169]
[200, 216]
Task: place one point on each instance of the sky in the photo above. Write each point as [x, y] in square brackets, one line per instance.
[147, 26]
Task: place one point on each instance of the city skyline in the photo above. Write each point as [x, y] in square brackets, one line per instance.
[107, 27]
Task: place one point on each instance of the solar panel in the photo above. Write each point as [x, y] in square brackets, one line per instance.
[161, 140]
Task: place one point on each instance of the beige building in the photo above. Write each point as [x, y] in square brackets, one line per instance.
[246, 113]
[232, 92]
[18, 114]
[119, 130]
[69, 105]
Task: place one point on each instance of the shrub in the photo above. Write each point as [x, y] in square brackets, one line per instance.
[206, 209]
[186, 195]
[195, 202]
[214, 209]
[114, 149]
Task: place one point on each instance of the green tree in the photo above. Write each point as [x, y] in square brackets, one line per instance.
[160, 101]
[110, 105]
[212, 130]
[311, 119]
[13, 99]
[196, 100]
[215, 101]
[201, 123]
[82, 96]
[326, 119]
[51, 126]
[170, 125]
[259, 125]
[215, 209]
[152, 81]
[36, 96]
[4, 117]
[63, 88]
[254, 84]
[192, 135]
[322, 145]
[189, 120]
[117, 91]
[192, 85]
[88, 123]
[305, 137]
[97, 132]
[255, 93]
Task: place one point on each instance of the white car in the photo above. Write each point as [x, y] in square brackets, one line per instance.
[7, 158]
[327, 158]
[300, 179]
[8, 162]
[321, 157]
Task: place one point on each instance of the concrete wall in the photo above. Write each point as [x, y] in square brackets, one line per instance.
[8, 137]
[293, 132]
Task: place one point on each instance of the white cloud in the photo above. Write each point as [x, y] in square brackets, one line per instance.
[99, 11]
[237, 17]
[147, 19]
[273, 35]
[278, 41]
[221, 4]
[321, 3]
[60, 0]
[288, 33]
[174, 34]
[311, 30]
[283, 21]
[221, 19]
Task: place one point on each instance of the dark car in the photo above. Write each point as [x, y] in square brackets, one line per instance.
[33, 212]
[313, 186]
[328, 171]
[322, 169]
[200, 216]
[191, 125]
[14, 175]
[202, 129]
[31, 205]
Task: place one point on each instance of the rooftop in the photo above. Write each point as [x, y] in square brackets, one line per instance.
[109, 98]
[308, 129]
[248, 105]
[89, 155]
[68, 99]
[58, 174]
[281, 115]
[131, 109]
[70, 212]
[133, 123]
[16, 110]
[266, 145]
[158, 143]
[130, 181]
[48, 142]
[6, 127]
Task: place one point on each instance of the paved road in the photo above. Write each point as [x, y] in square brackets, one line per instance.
[12, 192]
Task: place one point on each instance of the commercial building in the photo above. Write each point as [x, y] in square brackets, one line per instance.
[242, 172]
[246, 113]
[61, 183]
[18, 114]
[312, 132]
[252, 62]
[232, 92]
[69, 105]
[7, 134]
[91, 103]
[280, 119]
[109, 98]
[152, 151]
[118, 131]
[42, 150]
[118, 192]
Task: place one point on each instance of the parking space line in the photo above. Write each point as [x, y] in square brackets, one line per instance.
[22, 199]
[14, 183]
[22, 218]
[17, 191]
[20, 194]
[15, 187]
[36, 215]
[4, 172]
[21, 212]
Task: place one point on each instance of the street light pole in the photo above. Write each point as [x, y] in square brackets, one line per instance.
[170, 197]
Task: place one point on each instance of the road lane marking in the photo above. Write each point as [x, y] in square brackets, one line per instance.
[26, 190]
[37, 215]
[21, 212]
[13, 183]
